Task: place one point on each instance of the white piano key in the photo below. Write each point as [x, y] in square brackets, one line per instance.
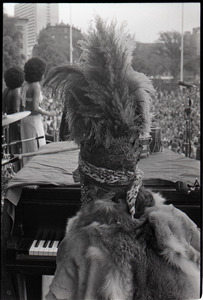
[32, 248]
[41, 248]
[36, 249]
[50, 249]
[46, 249]
[55, 248]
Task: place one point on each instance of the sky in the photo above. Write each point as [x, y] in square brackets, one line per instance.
[143, 20]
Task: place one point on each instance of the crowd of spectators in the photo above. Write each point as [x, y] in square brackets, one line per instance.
[52, 124]
[177, 114]
[170, 110]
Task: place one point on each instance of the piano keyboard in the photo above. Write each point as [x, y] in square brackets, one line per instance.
[44, 248]
[37, 248]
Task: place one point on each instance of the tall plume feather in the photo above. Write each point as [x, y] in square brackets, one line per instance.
[105, 98]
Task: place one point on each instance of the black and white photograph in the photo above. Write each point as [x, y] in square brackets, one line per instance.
[101, 195]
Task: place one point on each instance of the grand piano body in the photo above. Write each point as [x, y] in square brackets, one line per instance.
[39, 203]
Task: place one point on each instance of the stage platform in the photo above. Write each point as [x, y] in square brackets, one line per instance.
[49, 173]
[55, 162]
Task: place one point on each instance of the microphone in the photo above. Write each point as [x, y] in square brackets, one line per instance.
[188, 85]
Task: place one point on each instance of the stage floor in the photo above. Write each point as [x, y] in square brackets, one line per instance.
[55, 163]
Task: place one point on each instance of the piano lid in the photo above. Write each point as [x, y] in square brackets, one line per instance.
[54, 167]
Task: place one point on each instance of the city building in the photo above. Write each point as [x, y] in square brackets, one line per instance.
[192, 39]
[38, 15]
[21, 26]
[196, 40]
[60, 33]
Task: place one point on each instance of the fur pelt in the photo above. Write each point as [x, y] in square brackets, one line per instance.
[107, 255]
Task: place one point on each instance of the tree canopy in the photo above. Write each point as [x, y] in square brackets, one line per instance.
[163, 57]
[11, 44]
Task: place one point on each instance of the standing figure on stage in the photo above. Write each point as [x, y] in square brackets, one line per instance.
[124, 243]
[11, 100]
[32, 126]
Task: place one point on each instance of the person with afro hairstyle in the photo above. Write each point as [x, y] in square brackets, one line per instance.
[32, 125]
[13, 78]
[11, 100]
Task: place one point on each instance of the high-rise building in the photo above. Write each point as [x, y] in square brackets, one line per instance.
[21, 27]
[196, 40]
[39, 15]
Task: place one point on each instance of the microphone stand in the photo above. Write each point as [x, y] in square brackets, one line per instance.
[188, 125]
[189, 87]
[26, 140]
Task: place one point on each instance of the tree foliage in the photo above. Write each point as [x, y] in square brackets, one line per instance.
[147, 60]
[47, 49]
[164, 56]
[169, 48]
[11, 44]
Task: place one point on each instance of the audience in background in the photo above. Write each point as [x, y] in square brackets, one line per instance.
[169, 110]
[169, 115]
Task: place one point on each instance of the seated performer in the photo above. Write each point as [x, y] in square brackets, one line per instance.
[124, 243]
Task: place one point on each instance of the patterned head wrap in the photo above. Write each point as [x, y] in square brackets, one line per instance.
[108, 108]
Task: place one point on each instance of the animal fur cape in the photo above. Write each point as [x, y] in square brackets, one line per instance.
[106, 255]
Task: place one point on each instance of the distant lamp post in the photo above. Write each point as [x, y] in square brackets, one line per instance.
[71, 38]
[182, 45]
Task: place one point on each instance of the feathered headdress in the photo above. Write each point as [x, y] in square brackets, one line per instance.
[108, 108]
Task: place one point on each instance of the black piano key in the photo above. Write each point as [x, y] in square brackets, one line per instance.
[37, 243]
[52, 239]
[47, 237]
[45, 243]
[51, 243]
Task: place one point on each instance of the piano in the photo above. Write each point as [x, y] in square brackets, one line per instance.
[39, 225]
[40, 222]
